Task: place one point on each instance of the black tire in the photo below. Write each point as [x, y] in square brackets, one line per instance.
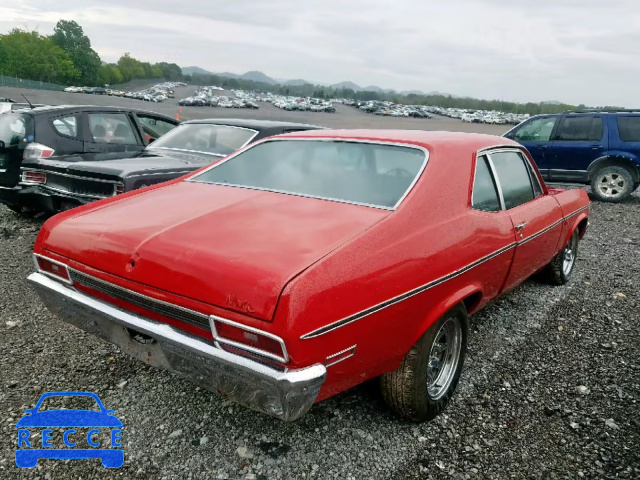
[555, 273]
[612, 184]
[407, 390]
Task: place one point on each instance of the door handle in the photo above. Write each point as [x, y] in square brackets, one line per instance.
[597, 147]
[520, 226]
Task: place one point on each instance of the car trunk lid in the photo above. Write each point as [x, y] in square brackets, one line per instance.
[227, 246]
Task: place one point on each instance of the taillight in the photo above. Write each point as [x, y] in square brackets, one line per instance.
[34, 177]
[250, 339]
[119, 189]
[35, 151]
[52, 268]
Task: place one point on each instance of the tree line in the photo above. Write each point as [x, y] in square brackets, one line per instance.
[66, 57]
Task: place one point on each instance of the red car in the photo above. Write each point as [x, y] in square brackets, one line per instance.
[308, 263]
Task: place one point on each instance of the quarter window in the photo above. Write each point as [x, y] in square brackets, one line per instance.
[67, 126]
[514, 178]
[155, 127]
[579, 129]
[629, 128]
[485, 193]
[538, 130]
[111, 128]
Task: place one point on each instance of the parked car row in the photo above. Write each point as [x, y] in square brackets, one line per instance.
[209, 97]
[481, 116]
[157, 93]
[390, 109]
[299, 103]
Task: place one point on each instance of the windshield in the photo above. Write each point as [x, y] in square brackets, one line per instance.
[15, 130]
[213, 139]
[362, 173]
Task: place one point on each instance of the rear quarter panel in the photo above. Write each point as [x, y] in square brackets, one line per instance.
[575, 210]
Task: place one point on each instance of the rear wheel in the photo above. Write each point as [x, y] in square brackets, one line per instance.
[612, 184]
[562, 265]
[420, 388]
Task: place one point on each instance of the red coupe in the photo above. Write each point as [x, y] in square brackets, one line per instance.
[308, 263]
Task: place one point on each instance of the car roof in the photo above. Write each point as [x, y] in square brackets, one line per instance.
[254, 124]
[89, 108]
[430, 140]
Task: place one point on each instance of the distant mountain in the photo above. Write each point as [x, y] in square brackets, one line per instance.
[192, 70]
[412, 92]
[295, 82]
[227, 75]
[258, 77]
[351, 85]
[372, 88]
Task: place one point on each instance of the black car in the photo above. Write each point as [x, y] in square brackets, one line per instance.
[66, 135]
[57, 186]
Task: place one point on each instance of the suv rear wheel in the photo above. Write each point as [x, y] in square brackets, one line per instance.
[612, 183]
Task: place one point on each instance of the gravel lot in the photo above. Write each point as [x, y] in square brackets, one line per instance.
[550, 388]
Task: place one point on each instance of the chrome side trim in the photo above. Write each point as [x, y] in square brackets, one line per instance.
[404, 296]
[376, 308]
[213, 318]
[351, 351]
[182, 172]
[322, 139]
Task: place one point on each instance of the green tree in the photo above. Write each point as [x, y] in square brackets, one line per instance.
[32, 56]
[70, 37]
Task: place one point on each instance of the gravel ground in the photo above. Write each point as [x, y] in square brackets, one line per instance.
[550, 388]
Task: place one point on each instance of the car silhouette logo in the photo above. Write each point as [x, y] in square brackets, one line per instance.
[98, 421]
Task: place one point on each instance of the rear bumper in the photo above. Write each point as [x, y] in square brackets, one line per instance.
[284, 394]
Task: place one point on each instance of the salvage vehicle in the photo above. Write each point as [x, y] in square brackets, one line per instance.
[305, 264]
[65, 135]
[600, 148]
[53, 187]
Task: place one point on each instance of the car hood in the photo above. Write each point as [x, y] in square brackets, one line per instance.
[227, 246]
[150, 161]
[69, 418]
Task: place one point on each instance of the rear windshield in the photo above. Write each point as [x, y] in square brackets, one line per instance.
[15, 130]
[353, 172]
[215, 139]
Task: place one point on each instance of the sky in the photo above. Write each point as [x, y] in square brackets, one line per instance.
[574, 51]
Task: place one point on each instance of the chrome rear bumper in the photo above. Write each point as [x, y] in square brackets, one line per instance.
[283, 394]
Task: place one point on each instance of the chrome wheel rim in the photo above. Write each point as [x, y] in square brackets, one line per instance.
[569, 255]
[443, 358]
[612, 185]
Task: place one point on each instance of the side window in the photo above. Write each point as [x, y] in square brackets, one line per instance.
[538, 130]
[485, 193]
[629, 129]
[155, 127]
[514, 178]
[67, 126]
[111, 128]
[579, 129]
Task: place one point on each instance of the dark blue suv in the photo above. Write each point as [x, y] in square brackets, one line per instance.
[600, 148]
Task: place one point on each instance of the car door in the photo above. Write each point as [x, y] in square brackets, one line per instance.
[111, 132]
[577, 141]
[535, 215]
[628, 134]
[534, 135]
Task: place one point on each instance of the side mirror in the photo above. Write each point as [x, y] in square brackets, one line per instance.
[109, 411]
[29, 411]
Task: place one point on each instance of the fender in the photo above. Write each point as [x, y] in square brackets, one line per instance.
[575, 223]
[616, 158]
[444, 306]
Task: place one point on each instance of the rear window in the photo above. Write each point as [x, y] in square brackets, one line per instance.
[629, 128]
[15, 130]
[353, 172]
[198, 137]
[67, 126]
